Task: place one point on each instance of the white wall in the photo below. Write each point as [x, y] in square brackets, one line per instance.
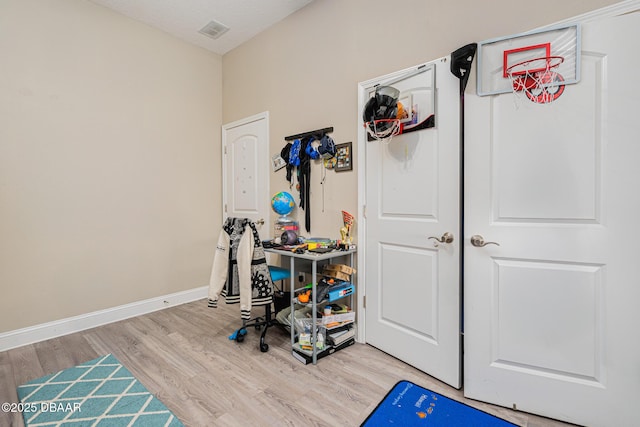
[305, 70]
[109, 161]
[110, 133]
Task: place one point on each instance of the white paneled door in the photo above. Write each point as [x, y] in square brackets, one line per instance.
[551, 317]
[412, 281]
[246, 169]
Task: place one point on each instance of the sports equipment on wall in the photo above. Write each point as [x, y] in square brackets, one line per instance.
[407, 106]
[537, 78]
[538, 64]
[380, 113]
[327, 147]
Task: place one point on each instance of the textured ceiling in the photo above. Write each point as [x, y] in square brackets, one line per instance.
[185, 18]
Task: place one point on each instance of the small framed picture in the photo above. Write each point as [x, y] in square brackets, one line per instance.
[344, 162]
[277, 162]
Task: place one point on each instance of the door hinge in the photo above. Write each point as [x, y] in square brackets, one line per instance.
[225, 149]
[364, 211]
[364, 301]
[225, 208]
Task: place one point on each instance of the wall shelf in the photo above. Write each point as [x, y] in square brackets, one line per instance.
[318, 133]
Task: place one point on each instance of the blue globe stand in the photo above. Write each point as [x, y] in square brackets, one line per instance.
[283, 204]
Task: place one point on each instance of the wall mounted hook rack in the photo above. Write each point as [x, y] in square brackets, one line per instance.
[318, 133]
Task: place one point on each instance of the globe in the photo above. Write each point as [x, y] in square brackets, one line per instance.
[282, 203]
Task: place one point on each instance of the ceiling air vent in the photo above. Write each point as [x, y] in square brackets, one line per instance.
[214, 29]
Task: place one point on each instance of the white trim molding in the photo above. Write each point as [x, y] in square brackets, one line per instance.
[57, 328]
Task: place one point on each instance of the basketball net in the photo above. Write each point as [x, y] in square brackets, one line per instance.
[537, 78]
[384, 129]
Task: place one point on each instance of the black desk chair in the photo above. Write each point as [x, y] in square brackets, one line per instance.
[278, 274]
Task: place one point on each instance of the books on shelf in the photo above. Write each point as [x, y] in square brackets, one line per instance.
[340, 335]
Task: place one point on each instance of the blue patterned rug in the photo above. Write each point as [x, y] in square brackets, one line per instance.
[98, 393]
[408, 404]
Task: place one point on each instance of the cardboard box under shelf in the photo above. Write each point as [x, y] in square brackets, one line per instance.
[336, 275]
[338, 271]
[340, 268]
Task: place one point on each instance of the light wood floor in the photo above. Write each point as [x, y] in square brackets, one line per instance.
[183, 356]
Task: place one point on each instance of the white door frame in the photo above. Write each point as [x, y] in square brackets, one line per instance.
[260, 116]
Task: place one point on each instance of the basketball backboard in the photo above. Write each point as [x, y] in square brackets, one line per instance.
[496, 56]
[416, 100]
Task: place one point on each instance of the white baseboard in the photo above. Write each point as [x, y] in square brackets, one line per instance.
[45, 331]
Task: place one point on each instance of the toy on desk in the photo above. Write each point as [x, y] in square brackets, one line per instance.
[283, 204]
[345, 232]
[289, 237]
[299, 249]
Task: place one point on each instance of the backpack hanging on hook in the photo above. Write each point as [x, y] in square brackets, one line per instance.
[312, 149]
[327, 148]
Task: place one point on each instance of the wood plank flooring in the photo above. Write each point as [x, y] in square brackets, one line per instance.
[183, 356]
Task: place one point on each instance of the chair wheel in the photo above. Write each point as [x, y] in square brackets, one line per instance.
[240, 336]
[264, 347]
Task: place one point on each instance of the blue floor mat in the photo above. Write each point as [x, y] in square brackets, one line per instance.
[408, 404]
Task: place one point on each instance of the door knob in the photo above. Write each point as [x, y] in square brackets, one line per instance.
[446, 238]
[478, 241]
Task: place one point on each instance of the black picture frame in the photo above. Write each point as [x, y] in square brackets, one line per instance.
[344, 157]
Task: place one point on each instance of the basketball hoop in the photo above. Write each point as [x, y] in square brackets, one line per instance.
[383, 129]
[537, 78]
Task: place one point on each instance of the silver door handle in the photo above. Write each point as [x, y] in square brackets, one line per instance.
[446, 238]
[478, 241]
